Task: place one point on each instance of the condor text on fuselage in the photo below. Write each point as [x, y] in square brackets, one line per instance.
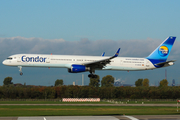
[33, 59]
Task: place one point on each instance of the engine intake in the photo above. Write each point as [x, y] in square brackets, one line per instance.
[78, 68]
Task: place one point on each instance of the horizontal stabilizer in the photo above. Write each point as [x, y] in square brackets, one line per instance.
[171, 62]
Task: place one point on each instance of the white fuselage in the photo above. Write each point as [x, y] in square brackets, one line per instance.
[65, 61]
[76, 64]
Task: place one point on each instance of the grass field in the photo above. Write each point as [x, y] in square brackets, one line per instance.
[18, 110]
[149, 102]
[102, 102]
[50, 102]
[84, 110]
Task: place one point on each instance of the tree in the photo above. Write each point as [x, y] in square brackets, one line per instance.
[94, 81]
[7, 81]
[139, 82]
[107, 81]
[145, 82]
[164, 82]
[58, 82]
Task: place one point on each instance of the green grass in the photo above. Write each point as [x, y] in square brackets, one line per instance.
[150, 102]
[18, 110]
[102, 102]
[50, 102]
[84, 110]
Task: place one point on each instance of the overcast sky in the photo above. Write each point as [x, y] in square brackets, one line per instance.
[87, 27]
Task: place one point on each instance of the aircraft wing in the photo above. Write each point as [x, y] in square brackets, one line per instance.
[101, 63]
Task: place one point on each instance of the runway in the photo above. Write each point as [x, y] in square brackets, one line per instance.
[167, 105]
[123, 117]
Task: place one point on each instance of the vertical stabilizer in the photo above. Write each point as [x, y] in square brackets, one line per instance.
[161, 53]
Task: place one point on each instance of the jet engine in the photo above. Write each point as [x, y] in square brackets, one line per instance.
[78, 68]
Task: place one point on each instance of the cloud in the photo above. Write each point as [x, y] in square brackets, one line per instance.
[129, 48]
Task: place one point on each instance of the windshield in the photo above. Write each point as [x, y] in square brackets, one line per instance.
[9, 58]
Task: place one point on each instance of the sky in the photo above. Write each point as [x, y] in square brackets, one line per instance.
[87, 27]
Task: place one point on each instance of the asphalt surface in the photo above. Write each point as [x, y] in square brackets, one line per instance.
[168, 105]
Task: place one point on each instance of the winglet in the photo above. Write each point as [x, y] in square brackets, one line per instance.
[117, 53]
[103, 54]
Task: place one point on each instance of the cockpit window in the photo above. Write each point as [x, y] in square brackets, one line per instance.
[9, 58]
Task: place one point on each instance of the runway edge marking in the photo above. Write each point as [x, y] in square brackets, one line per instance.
[132, 118]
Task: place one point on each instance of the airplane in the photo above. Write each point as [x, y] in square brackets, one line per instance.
[77, 64]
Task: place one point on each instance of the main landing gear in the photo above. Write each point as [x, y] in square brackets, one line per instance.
[20, 70]
[92, 76]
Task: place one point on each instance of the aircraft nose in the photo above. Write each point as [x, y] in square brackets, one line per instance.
[4, 62]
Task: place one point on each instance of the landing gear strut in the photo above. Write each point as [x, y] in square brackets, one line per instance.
[20, 70]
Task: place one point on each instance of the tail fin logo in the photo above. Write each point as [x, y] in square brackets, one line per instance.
[163, 51]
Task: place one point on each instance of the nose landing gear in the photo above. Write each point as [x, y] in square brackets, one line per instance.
[20, 70]
[21, 73]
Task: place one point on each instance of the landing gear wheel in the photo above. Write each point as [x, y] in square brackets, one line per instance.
[92, 76]
[21, 73]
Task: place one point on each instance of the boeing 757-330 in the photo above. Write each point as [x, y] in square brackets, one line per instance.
[77, 64]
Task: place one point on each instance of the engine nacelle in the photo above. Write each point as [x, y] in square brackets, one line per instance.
[78, 68]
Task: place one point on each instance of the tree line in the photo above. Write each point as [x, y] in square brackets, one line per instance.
[106, 91]
[58, 92]
[107, 81]
[145, 82]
